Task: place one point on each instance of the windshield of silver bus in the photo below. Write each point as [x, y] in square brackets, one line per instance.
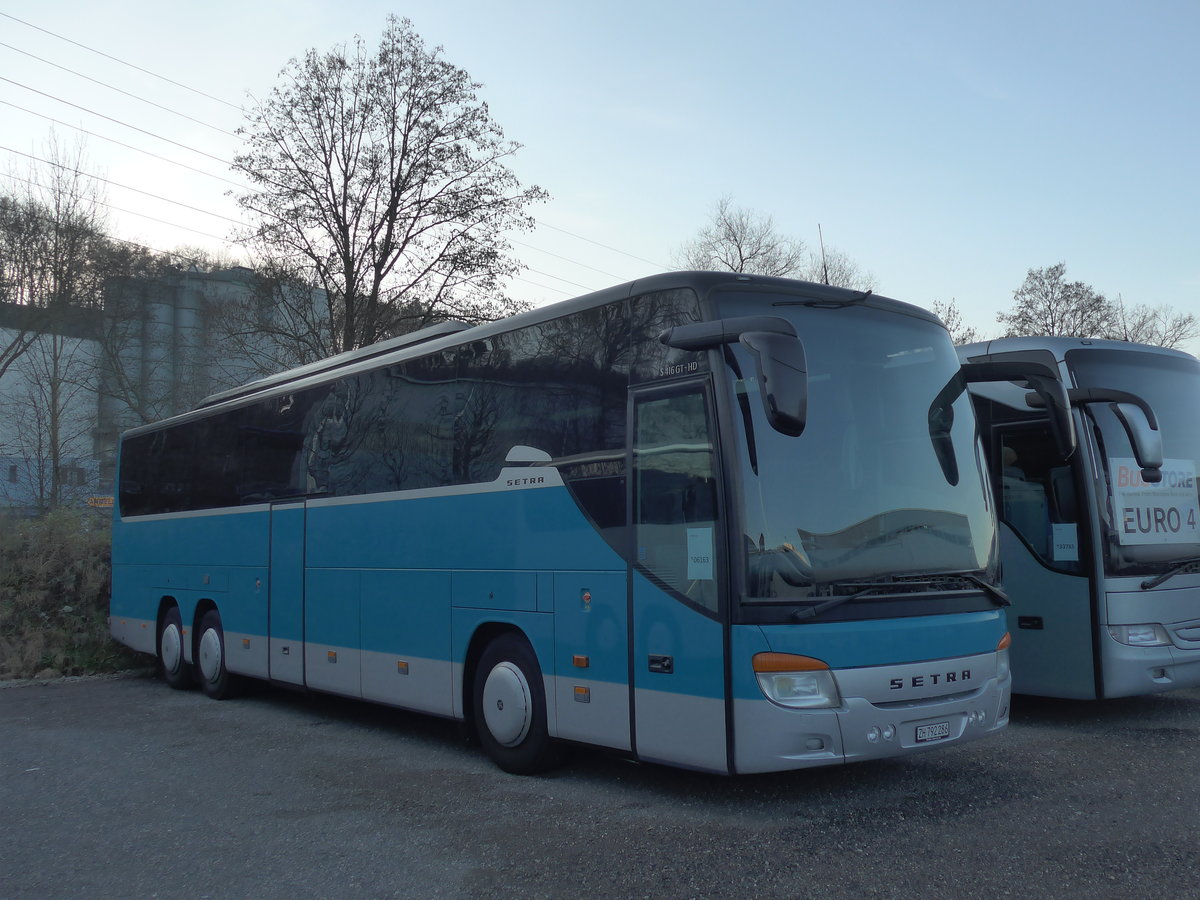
[1147, 528]
[860, 502]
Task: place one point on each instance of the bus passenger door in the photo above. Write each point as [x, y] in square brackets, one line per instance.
[1046, 564]
[286, 593]
[678, 637]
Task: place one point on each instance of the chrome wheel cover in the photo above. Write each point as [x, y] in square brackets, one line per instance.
[210, 655]
[507, 704]
[170, 648]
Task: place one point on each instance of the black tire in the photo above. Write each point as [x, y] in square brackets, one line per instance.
[215, 680]
[174, 669]
[509, 704]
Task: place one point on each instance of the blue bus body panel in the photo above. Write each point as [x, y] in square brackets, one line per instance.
[489, 530]
[591, 619]
[406, 613]
[222, 558]
[237, 538]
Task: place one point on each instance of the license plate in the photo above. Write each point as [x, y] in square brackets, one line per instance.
[934, 732]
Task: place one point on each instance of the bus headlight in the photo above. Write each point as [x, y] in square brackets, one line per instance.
[1140, 635]
[797, 682]
[1003, 668]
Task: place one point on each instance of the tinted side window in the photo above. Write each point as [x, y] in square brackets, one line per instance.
[558, 387]
[596, 353]
[650, 316]
[424, 416]
[449, 418]
[390, 429]
[261, 449]
[251, 454]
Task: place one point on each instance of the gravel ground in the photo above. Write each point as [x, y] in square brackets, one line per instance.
[119, 787]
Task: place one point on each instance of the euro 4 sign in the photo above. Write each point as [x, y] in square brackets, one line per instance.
[1164, 513]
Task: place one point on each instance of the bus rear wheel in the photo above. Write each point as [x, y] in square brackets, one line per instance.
[173, 667]
[215, 680]
[509, 703]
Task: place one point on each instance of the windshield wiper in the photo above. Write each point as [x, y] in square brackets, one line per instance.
[992, 590]
[1179, 569]
[811, 612]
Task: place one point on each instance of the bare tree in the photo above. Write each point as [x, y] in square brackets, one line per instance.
[283, 322]
[742, 240]
[951, 316]
[1048, 304]
[1158, 325]
[20, 320]
[380, 179]
[51, 413]
[52, 242]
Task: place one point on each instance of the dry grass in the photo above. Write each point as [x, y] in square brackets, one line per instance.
[54, 589]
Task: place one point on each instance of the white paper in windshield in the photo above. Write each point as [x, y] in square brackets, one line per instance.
[700, 554]
[1163, 513]
[1065, 542]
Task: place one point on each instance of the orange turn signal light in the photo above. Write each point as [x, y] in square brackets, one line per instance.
[786, 662]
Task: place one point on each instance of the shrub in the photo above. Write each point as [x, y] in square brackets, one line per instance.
[54, 590]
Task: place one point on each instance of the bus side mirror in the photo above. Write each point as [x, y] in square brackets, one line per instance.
[1049, 391]
[1048, 388]
[1053, 394]
[779, 360]
[1145, 440]
[782, 370]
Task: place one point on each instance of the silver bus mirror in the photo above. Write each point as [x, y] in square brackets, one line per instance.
[1145, 440]
[782, 378]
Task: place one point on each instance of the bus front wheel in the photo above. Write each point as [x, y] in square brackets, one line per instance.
[509, 701]
[215, 679]
[171, 664]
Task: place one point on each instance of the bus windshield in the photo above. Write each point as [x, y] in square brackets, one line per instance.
[859, 504]
[1147, 529]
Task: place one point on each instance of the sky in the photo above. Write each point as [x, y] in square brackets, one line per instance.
[946, 147]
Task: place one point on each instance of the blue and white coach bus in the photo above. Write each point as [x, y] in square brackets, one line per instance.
[1100, 548]
[731, 523]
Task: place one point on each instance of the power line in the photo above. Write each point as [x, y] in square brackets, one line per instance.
[173, 112]
[582, 287]
[225, 162]
[121, 61]
[129, 212]
[605, 246]
[544, 287]
[118, 184]
[154, 196]
[210, 156]
[564, 258]
[123, 144]
[111, 119]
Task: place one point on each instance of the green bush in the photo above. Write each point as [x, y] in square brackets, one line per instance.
[54, 589]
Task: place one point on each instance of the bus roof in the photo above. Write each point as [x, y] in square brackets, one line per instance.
[338, 361]
[452, 334]
[1059, 346]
